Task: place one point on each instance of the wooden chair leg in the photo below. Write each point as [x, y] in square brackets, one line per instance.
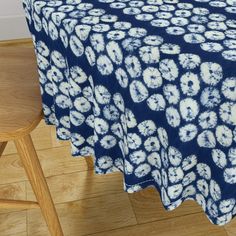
[38, 182]
[2, 147]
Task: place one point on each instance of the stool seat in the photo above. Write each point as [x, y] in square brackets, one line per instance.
[20, 100]
[20, 112]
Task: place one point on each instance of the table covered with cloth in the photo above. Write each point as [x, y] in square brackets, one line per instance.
[148, 88]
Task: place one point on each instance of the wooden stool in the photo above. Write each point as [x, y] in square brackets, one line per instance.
[20, 113]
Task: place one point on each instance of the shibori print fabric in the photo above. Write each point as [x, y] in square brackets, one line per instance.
[147, 87]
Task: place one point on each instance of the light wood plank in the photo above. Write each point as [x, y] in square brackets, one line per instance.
[148, 207]
[87, 216]
[80, 185]
[10, 148]
[13, 224]
[41, 125]
[56, 142]
[44, 137]
[41, 137]
[38, 182]
[21, 234]
[55, 161]
[231, 228]
[194, 225]
[12, 191]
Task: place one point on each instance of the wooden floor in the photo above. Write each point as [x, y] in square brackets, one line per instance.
[90, 204]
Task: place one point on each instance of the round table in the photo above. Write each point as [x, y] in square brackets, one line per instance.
[148, 88]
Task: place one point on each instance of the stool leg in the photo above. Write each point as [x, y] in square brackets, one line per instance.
[39, 185]
[2, 147]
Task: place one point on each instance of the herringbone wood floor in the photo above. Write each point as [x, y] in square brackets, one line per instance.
[90, 204]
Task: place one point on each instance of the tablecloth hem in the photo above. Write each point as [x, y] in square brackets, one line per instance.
[219, 220]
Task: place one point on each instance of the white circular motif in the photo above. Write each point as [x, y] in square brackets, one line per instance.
[211, 73]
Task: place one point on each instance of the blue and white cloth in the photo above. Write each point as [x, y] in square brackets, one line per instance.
[148, 87]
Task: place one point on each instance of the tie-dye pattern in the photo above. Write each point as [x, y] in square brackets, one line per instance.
[148, 87]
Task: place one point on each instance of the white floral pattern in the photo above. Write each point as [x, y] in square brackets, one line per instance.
[146, 87]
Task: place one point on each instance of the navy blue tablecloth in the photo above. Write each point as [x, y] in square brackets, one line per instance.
[148, 88]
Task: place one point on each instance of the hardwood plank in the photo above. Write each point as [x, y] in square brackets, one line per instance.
[231, 228]
[56, 142]
[12, 191]
[10, 148]
[41, 125]
[194, 225]
[21, 234]
[148, 207]
[44, 137]
[54, 162]
[87, 216]
[13, 224]
[41, 137]
[80, 185]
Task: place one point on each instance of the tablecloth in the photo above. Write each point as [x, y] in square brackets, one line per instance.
[147, 87]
